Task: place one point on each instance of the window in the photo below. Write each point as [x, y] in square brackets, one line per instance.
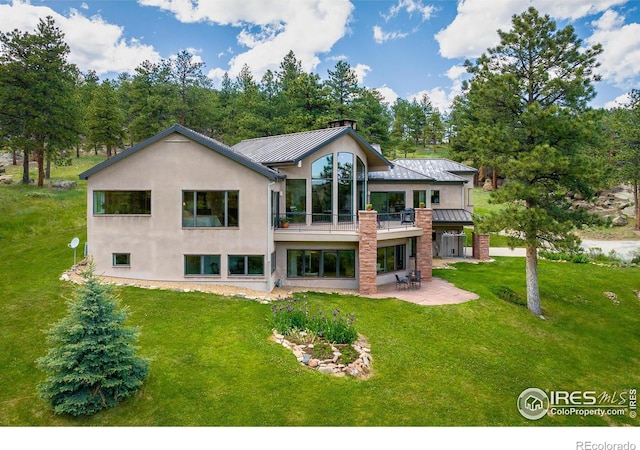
[419, 197]
[391, 259]
[122, 259]
[246, 265]
[202, 264]
[122, 202]
[322, 189]
[274, 266]
[387, 202]
[321, 263]
[361, 184]
[210, 208]
[345, 187]
[435, 197]
[413, 247]
[296, 200]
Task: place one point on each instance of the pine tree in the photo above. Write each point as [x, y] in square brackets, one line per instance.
[92, 362]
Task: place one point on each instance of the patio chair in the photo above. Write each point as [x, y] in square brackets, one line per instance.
[400, 282]
[417, 279]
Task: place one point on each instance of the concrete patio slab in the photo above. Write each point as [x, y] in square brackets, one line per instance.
[430, 293]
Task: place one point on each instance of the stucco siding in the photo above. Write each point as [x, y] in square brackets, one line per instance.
[157, 243]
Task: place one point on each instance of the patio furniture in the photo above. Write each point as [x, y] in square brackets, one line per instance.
[417, 279]
[400, 282]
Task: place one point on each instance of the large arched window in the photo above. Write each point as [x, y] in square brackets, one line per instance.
[322, 189]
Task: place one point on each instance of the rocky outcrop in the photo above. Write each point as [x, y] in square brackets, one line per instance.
[616, 204]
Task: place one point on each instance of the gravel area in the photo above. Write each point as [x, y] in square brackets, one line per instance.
[219, 289]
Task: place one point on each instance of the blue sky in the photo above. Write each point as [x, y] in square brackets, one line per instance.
[401, 47]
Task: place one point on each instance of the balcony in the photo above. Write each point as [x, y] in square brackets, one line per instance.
[340, 227]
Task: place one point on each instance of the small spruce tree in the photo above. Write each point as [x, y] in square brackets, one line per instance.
[92, 363]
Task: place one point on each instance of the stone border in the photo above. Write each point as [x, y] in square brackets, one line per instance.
[360, 368]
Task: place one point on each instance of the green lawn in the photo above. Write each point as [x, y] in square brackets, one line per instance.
[212, 363]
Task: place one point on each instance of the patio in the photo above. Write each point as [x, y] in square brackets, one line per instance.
[434, 292]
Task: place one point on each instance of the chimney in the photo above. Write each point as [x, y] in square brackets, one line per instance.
[377, 147]
[343, 123]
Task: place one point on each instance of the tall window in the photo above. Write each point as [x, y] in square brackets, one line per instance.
[322, 189]
[321, 263]
[202, 264]
[210, 208]
[361, 184]
[296, 200]
[391, 259]
[247, 265]
[122, 202]
[435, 197]
[419, 197]
[345, 187]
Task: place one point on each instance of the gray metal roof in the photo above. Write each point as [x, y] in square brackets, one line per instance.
[436, 170]
[206, 141]
[451, 216]
[292, 148]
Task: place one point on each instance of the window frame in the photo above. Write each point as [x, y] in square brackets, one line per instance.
[202, 265]
[435, 196]
[191, 205]
[398, 256]
[100, 204]
[308, 255]
[114, 257]
[247, 266]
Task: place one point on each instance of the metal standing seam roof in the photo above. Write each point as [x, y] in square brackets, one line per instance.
[437, 170]
[292, 148]
[449, 216]
[206, 141]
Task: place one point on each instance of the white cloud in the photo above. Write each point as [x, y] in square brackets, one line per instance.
[474, 29]
[270, 28]
[620, 59]
[361, 71]
[381, 37]
[94, 44]
[388, 94]
[618, 102]
[410, 6]
[440, 97]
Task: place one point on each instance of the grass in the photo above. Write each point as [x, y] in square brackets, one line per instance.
[212, 363]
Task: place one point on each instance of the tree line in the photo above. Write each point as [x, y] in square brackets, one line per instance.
[524, 112]
[49, 108]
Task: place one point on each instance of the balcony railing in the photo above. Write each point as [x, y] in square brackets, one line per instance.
[301, 222]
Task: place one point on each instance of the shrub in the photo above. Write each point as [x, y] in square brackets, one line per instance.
[294, 314]
[92, 364]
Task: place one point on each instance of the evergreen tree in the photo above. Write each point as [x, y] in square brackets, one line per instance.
[105, 119]
[92, 363]
[343, 85]
[38, 93]
[526, 112]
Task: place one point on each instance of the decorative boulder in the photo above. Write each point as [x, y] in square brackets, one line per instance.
[63, 185]
[488, 185]
[619, 221]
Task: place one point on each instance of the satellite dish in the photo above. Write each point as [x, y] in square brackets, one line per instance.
[73, 244]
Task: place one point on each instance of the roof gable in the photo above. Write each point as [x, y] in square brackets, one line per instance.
[205, 141]
[292, 148]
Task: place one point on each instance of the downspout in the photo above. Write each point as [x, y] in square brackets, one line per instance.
[269, 237]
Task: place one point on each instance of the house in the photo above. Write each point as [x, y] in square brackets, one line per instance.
[279, 210]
